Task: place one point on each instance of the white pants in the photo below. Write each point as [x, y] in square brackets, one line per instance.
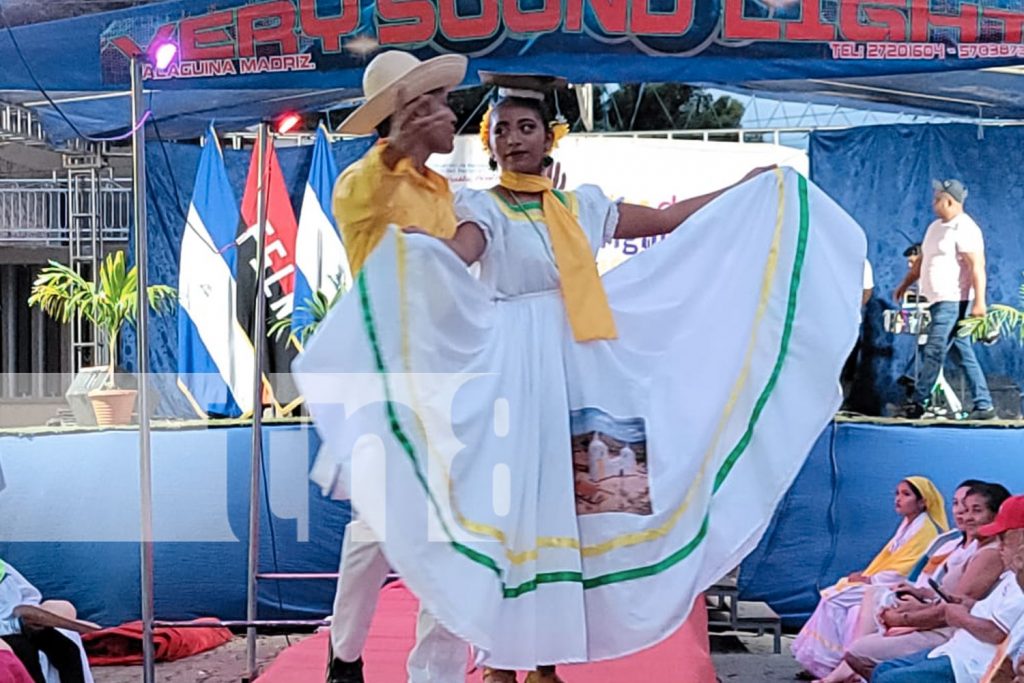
[437, 657]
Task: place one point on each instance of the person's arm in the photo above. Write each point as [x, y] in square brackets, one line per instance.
[637, 221]
[468, 242]
[984, 630]
[979, 280]
[982, 574]
[888, 577]
[913, 275]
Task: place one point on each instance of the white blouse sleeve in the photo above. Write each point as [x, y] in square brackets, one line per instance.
[471, 207]
[599, 215]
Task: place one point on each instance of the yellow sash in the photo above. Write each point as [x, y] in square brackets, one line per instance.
[585, 300]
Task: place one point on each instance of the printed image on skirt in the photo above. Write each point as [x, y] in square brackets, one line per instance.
[610, 463]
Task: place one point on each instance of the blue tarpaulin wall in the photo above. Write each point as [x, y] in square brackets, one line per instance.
[882, 176]
[839, 512]
[171, 170]
[71, 510]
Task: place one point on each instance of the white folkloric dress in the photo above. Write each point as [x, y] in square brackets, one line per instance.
[732, 333]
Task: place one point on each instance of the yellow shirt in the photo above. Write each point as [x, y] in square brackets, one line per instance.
[369, 196]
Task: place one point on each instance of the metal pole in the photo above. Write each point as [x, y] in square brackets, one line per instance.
[259, 343]
[142, 342]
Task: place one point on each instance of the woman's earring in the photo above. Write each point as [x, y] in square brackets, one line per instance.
[493, 164]
[547, 161]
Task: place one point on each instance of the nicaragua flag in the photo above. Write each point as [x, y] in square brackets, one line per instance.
[320, 258]
[215, 355]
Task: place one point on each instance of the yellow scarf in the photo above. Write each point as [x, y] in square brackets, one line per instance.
[585, 300]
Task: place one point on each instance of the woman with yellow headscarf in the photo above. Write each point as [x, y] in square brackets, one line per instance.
[820, 645]
[559, 462]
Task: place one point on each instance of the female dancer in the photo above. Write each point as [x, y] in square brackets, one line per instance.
[713, 357]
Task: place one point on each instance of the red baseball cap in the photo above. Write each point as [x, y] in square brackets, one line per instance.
[1011, 516]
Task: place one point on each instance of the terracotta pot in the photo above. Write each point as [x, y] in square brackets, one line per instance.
[113, 406]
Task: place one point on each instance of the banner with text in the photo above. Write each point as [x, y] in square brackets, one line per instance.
[646, 171]
[325, 43]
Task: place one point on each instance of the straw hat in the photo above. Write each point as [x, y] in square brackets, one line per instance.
[392, 70]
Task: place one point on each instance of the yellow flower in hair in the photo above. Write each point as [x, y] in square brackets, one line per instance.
[559, 129]
[485, 129]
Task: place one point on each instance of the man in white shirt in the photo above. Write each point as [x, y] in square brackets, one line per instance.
[986, 630]
[952, 274]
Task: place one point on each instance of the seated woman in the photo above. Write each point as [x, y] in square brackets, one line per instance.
[820, 645]
[28, 628]
[913, 617]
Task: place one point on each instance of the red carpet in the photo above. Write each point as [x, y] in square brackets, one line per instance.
[682, 658]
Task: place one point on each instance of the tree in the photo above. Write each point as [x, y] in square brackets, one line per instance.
[633, 106]
[664, 106]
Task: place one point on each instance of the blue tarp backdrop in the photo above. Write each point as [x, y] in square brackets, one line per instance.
[882, 176]
[839, 512]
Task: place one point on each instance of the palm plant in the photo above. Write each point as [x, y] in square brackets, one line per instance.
[317, 306]
[1001, 319]
[63, 293]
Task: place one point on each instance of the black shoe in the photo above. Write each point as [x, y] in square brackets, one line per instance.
[982, 414]
[912, 411]
[339, 671]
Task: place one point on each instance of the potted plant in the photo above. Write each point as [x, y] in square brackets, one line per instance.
[63, 293]
[318, 305]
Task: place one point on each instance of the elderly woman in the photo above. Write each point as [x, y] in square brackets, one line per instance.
[822, 641]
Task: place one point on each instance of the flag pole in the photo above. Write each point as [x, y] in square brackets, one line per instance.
[142, 345]
[256, 463]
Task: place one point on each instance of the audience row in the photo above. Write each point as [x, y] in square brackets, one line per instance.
[935, 605]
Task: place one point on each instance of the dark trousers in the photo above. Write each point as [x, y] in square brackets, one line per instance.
[62, 652]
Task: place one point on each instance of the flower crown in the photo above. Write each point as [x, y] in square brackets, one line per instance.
[559, 129]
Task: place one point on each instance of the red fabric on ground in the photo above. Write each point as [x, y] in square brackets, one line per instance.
[684, 657]
[122, 644]
[11, 669]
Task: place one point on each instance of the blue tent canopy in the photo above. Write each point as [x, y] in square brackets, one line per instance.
[312, 52]
[989, 94]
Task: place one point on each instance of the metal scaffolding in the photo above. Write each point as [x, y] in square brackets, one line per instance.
[82, 211]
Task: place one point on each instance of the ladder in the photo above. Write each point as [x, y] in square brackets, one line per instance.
[85, 250]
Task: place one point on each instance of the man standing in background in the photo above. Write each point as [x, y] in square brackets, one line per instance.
[951, 272]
